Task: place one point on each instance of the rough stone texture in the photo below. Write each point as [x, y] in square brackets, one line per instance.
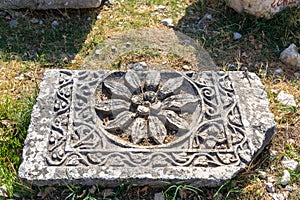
[290, 56]
[145, 127]
[262, 8]
[48, 4]
[163, 40]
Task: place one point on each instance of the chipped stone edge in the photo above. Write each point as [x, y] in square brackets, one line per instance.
[255, 113]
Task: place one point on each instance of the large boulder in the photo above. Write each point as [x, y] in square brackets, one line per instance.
[262, 8]
[48, 4]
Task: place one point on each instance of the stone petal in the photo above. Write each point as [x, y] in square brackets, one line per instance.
[132, 80]
[152, 80]
[177, 102]
[113, 105]
[122, 121]
[138, 130]
[118, 90]
[175, 120]
[157, 129]
[171, 86]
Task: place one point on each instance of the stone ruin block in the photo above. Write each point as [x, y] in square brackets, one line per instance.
[48, 4]
[145, 127]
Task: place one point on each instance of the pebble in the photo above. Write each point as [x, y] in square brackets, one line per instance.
[286, 178]
[186, 67]
[274, 153]
[167, 22]
[289, 188]
[88, 19]
[270, 187]
[41, 22]
[289, 164]
[139, 66]
[277, 196]
[278, 71]
[114, 49]
[237, 36]
[159, 196]
[13, 23]
[291, 56]
[208, 16]
[55, 23]
[262, 174]
[286, 99]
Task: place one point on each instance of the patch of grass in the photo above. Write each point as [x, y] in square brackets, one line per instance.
[183, 191]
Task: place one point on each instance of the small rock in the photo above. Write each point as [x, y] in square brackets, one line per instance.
[159, 196]
[114, 49]
[290, 56]
[139, 66]
[286, 99]
[98, 52]
[289, 164]
[4, 191]
[13, 23]
[270, 187]
[237, 36]
[34, 20]
[186, 67]
[88, 19]
[208, 16]
[289, 188]
[55, 23]
[286, 178]
[262, 174]
[278, 71]
[297, 74]
[167, 22]
[41, 22]
[277, 196]
[274, 153]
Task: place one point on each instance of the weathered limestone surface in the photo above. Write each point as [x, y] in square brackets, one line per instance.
[145, 127]
[48, 4]
[262, 8]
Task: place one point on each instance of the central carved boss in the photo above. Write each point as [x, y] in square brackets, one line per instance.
[146, 108]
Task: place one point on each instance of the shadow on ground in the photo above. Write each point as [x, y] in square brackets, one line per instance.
[50, 37]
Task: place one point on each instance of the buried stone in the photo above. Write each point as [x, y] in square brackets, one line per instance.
[146, 127]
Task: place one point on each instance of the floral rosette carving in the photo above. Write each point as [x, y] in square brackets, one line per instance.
[144, 107]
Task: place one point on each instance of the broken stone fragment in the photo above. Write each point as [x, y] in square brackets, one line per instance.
[290, 56]
[286, 99]
[261, 8]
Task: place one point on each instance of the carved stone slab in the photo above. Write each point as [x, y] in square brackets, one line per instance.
[145, 127]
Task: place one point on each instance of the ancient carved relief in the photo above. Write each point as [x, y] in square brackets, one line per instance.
[147, 119]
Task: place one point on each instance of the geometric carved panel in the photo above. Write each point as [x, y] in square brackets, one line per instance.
[145, 126]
